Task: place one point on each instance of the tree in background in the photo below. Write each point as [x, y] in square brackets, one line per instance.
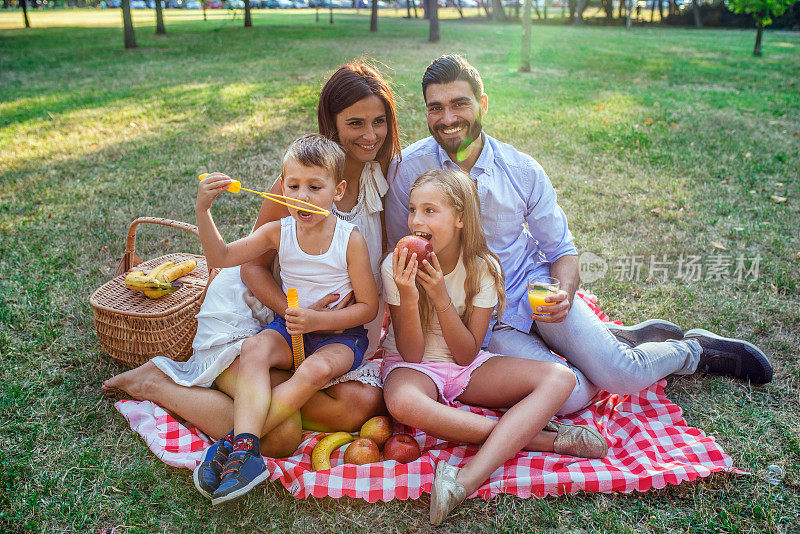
[525, 52]
[373, 21]
[160, 29]
[762, 12]
[248, 21]
[24, 5]
[433, 15]
[127, 23]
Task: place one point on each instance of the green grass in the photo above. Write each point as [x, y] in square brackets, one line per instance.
[658, 141]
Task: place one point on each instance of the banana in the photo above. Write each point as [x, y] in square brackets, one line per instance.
[321, 455]
[140, 282]
[158, 293]
[176, 271]
[161, 267]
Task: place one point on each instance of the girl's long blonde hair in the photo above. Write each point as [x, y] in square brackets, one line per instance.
[462, 194]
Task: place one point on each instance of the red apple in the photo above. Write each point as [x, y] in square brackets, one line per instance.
[362, 451]
[415, 243]
[378, 429]
[401, 448]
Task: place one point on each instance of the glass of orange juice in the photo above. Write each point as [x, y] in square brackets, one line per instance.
[539, 289]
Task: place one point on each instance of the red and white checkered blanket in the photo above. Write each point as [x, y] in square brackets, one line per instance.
[650, 446]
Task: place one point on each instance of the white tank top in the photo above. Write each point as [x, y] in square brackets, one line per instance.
[315, 276]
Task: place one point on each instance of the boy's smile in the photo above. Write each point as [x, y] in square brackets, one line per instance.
[310, 184]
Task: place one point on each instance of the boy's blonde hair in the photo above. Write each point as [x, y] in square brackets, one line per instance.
[314, 150]
[462, 194]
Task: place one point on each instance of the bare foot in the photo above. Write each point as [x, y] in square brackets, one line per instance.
[130, 383]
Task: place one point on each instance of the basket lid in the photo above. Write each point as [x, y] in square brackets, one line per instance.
[114, 297]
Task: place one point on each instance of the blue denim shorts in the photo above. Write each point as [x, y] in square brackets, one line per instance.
[355, 338]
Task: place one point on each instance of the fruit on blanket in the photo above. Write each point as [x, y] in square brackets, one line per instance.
[415, 244]
[378, 429]
[362, 451]
[402, 448]
[177, 270]
[321, 455]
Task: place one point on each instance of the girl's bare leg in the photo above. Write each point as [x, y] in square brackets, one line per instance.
[253, 397]
[412, 399]
[534, 391]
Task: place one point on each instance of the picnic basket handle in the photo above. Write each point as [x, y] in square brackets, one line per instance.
[130, 259]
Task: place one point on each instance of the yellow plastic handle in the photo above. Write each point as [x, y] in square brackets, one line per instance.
[234, 187]
[293, 301]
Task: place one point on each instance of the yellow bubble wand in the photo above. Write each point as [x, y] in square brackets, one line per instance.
[235, 186]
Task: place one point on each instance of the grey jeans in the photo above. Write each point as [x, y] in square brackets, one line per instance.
[598, 360]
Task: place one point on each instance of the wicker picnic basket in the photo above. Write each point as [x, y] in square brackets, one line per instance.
[134, 328]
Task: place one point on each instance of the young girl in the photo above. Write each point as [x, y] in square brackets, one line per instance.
[440, 314]
[319, 255]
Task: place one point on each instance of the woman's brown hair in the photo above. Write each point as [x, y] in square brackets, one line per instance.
[352, 82]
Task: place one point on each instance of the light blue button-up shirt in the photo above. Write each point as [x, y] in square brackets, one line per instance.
[513, 190]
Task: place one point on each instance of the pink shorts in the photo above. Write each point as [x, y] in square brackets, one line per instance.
[451, 379]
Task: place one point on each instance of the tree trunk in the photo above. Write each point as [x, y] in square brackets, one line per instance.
[696, 14]
[248, 21]
[498, 13]
[205, 5]
[127, 23]
[535, 7]
[572, 6]
[24, 5]
[460, 9]
[608, 7]
[653, 11]
[581, 7]
[485, 9]
[628, 13]
[330, 12]
[373, 22]
[759, 31]
[660, 11]
[525, 52]
[545, 9]
[408, 8]
[619, 10]
[433, 13]
[160, 29]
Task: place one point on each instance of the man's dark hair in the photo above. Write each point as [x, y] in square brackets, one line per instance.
[449, 68]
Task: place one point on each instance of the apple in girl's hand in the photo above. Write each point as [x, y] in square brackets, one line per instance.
[415, 243]
[401, 448]
[378, 429]
[362, 451]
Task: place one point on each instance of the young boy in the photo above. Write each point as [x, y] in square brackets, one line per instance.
[319, 255]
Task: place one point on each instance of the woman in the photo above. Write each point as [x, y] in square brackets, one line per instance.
[356, 109]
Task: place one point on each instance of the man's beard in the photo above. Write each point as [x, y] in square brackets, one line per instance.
[458, 145]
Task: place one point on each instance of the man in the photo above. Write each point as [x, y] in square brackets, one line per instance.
[515, 190]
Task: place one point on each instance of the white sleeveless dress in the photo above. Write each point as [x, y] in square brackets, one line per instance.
[231, 313]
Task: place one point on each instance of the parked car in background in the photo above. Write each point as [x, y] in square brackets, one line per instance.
[300, 4]
[213, 4]
[193, 4]
[234, 4]
[138, 4]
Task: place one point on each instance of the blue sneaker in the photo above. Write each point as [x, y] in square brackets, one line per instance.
[207, 475]
[244, 471]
